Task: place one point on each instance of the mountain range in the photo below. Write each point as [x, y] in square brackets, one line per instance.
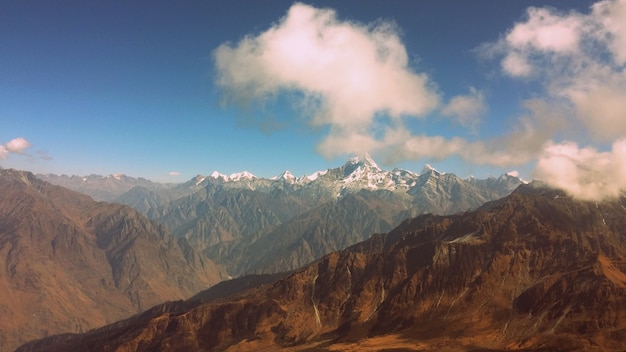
[71, 264]
[258, 225]
[534, 271]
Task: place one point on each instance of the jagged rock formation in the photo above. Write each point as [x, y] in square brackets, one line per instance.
[71, 264]
[536, 271]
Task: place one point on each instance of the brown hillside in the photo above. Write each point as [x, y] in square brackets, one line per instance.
[536, 271]
[71, 264]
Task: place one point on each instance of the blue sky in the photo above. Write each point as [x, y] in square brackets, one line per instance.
[167, 89]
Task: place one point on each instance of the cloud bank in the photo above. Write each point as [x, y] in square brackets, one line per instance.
[356, 83]
[580, 61]
[16, 146]
[585, 173]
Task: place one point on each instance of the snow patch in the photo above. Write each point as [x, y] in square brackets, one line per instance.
[199, 179]
[216, 175]
[285, 176]
[316, 175]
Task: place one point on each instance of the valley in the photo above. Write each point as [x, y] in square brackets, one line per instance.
[201, 176]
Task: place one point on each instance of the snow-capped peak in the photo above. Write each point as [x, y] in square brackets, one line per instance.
[244, 175]
[364, 160]
[115, 176]
[367, 159]
[216, 175]
[285, 176]
[317, 174]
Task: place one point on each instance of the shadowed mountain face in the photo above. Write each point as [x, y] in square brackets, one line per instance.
[251, 224]
[534, 271]
[259, 225]
[71, 264]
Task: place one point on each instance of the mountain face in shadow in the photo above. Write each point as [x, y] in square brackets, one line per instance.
[258, 225]
[71, 264]
[536, 270]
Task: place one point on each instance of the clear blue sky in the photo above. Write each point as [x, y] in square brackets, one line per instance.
[134, 87]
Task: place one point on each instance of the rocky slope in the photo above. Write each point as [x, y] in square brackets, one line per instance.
[271, 225]
[71, 264]
[536, 271]
[293, 220]
[309, 236]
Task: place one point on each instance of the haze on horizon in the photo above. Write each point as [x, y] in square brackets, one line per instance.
[303, 85]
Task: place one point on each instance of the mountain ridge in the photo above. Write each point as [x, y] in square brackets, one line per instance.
[356, 173]
[72, 264]
[534, 271]
[232, 219]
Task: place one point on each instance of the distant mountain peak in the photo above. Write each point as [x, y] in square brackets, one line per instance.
[117, 176]
[217, 175]
[316, 175]
[239, 176]
[429, 169]
[285, 176]
[512, 175]
[363, 160]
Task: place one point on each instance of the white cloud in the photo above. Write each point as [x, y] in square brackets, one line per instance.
[579, 60]
[347, 72]
[568, 54]
[544, 34]
[174, 173]
[349, 75]
[611, 28]
[16, 145]
[546, 31]
[399, 144]
[598, 95]
[516, 65]
[585, 173]
[466, 109]
[355, 82]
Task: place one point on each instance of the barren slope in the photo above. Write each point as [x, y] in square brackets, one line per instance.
[71, 264]
[534, 271]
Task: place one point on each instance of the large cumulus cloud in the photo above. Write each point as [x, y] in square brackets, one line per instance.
[580, 61]
[355, 79]
[356, 82]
